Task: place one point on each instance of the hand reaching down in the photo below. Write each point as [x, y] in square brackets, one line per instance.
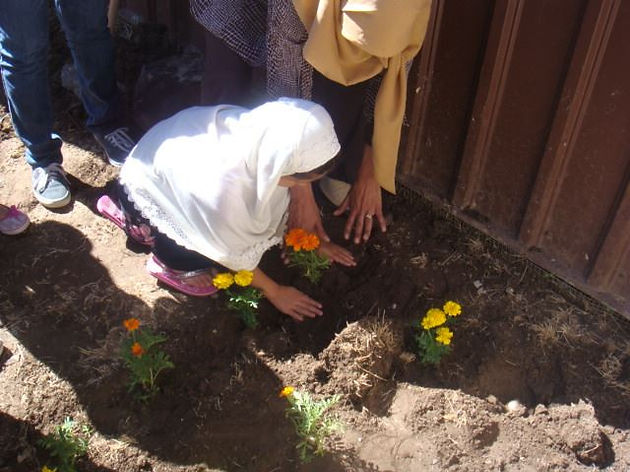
[294, 303]
[337, 254]
[364, 203]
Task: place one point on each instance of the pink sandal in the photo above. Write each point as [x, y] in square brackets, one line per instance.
[13, 222]
[139, 233]
[177, 278]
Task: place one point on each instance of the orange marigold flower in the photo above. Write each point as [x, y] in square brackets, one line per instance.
[137, 349]
[310, 242]
[295, 238]
[131, 324]
[286, 391]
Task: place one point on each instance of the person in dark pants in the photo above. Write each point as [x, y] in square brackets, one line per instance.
[24, 46]
[210, 185]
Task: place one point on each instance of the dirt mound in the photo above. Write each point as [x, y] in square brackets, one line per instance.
[428, 428]
[359, 361]
[575, 428]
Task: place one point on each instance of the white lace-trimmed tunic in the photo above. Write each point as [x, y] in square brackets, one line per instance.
[208, 176]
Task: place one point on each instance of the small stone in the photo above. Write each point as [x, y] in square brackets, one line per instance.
[513, 405]
[407, 357]
[491, 399]
[516, 408]
[541, 410]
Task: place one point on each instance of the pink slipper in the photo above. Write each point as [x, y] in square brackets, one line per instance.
[14, 222]
[139, 233]
[177, 278]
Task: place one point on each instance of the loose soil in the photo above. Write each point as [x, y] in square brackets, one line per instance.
[538, 377]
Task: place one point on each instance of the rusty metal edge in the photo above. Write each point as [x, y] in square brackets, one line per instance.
[580, 81]
[622, 307]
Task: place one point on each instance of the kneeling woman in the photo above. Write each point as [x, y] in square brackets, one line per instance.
[210, 186]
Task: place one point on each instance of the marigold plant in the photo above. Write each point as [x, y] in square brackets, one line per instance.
[294, 238]
[143, 358]
[434, 317]
[137, 349]
[286, 391]
[312, 421]
[131, 324]
[244, 278]
[302, 251]
[434, 339]
[223, 280]
[443, 335]
[452, 308]
[245, 299]
[67, 443]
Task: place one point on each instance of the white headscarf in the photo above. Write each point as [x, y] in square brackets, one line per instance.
[208, 176]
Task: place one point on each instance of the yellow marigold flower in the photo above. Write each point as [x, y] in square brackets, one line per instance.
[434, 317]
[286, 391]
[223, 280]
[310, 242]
[137, 349]
[131, 324]
[244, 277]
[47, 469]
[443, 335]
[295, 238]
[452, 308]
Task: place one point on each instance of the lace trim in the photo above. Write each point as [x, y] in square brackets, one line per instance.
[150, 210]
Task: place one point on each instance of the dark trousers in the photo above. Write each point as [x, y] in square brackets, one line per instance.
[165, 249]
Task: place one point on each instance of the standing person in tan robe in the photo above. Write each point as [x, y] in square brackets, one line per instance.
[335, 53]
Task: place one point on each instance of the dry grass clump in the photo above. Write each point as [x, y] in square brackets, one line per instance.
[561, 326]
[475, 245]
[361, 356]
[611, 369]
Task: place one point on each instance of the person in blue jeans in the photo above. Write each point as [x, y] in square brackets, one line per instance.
[24, 45]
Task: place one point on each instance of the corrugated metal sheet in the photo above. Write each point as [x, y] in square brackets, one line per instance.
[520, 118]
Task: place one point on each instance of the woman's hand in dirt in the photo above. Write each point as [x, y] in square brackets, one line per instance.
[288, 300]
[304, 212]
[364, 202]
[294, 303]
[337, 254]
